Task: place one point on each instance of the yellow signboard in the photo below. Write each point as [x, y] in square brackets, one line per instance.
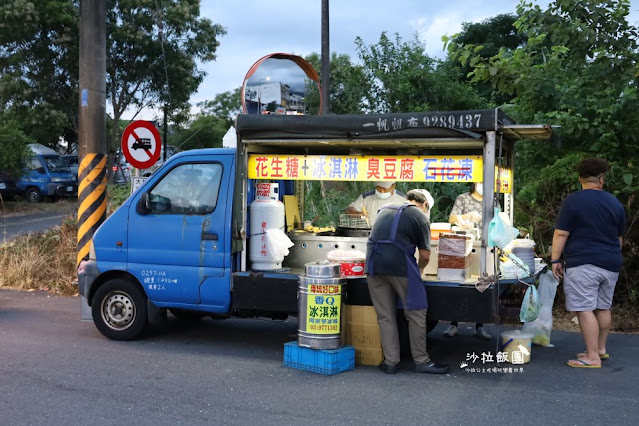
[450, 168]
[323, 309]
[504, 180]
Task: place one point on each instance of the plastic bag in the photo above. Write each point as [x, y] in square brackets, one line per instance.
[509, 269]
[278, 243]
[542, 326]
[500, 233]
[530, 306]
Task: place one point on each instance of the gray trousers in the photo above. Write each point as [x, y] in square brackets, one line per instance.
[383, 289]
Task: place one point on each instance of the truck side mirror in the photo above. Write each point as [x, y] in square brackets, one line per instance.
[41, 170]
[143, 204]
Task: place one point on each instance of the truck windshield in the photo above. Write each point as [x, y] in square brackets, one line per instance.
[56, 164]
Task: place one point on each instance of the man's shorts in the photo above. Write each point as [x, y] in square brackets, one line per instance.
[589, 287]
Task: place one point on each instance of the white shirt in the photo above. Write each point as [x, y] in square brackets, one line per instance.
[372, 203]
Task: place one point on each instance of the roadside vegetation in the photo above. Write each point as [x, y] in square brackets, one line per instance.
[46, 261]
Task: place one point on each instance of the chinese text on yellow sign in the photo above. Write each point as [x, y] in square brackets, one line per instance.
[367, 168]
[323, 309]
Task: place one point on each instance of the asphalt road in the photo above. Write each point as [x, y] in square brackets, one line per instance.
[56, 369]
[15, 225]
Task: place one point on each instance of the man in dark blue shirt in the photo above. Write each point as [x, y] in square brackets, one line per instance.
[589, 231]
[392, 272]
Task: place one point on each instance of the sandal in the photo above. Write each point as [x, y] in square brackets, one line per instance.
[601, 356]
[580, 363]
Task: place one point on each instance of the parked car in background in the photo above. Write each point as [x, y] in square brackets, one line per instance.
[46, 174]
[8, 188]
[72, 162]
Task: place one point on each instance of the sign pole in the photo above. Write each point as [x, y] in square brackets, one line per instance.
[92, 124]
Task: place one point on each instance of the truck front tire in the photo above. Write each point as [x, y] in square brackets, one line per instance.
[119, 309]
[33, 195]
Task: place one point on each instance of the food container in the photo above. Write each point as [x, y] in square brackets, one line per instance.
[437, 228]
[517, 346]
[352, 262]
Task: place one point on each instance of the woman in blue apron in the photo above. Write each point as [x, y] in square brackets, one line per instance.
[394, 278]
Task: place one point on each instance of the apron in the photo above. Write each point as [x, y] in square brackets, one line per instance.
[416, 292]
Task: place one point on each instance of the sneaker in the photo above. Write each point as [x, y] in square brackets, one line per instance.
[387, 368]
[431, 367]
[451, 331]
[481, 333]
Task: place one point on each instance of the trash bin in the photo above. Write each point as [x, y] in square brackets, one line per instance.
[320, 306]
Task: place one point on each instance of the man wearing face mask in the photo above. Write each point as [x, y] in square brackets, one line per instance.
[392, 273]
[467, 208]
[370, 202]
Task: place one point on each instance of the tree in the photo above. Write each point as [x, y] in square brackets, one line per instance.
[348, 85]
[152, 52]
[206, 131]
[577, 70]
[39, 67]
[492, 34]
[14, 150]
[403, 78]
[225, 106]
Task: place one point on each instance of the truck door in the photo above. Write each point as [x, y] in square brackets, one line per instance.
[183, 240]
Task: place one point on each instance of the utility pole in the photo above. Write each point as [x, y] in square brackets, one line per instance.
[325, 77]
[92, 123]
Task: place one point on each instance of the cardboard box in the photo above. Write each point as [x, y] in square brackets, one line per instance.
[368, 356]
[360, 330]
[360, 314]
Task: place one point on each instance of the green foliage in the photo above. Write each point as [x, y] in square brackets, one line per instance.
[153, 50]
[39, 67]
[225, 106]
[403, 78]
[13, 147]
[577, 70]
[348, 86]
[206, 131]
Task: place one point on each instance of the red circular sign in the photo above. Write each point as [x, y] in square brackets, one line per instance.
[141, 144]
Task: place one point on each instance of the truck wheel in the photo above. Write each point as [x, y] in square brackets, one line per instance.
[33, 195]
[119, 310]
[187, 316]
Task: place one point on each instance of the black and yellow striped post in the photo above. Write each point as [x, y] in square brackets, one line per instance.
[91, 124]
[92, 200]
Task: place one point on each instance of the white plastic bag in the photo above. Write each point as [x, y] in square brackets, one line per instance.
[278, 243]
[509, 269]
[542, 326]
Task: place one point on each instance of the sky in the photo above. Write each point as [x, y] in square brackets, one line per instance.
[257, 27]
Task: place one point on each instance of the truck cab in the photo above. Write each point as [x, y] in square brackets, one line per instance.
[46, 174]
[181, 241]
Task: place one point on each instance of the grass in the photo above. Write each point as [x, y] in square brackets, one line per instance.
[46, 261]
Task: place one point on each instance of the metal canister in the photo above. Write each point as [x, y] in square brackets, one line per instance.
[320, 306]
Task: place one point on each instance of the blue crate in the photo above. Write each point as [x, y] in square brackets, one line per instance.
[322, 361]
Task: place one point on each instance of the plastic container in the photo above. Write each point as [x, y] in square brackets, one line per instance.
[523, 249]
[517, 346]
[352, 262]
[327, 361]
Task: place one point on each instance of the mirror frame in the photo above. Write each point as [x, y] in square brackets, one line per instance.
[301, 62]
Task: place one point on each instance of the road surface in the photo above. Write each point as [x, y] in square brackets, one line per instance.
[55, 369]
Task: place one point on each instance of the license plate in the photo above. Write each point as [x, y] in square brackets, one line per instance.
[69, 189]
[3, 186]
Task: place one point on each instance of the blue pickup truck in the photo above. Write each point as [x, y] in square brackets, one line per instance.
[46, 174]
[183, 241]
